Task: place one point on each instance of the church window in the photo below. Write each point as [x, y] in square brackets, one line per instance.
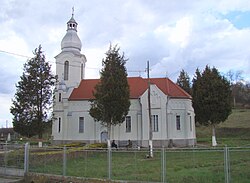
[66, 70]
[128, 123]
[81, 124]
[81, 71]
[178, 122]
[60, 97]
[59, 125]
[190, 121]
[155, 125]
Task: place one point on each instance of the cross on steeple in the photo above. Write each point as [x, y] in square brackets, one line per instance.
[73, 11]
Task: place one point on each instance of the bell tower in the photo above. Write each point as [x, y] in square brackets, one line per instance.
[70, 63]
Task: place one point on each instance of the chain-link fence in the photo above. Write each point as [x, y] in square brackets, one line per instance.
[167, 165]
[11, 159]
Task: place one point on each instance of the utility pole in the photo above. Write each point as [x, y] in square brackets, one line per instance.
[150, 119]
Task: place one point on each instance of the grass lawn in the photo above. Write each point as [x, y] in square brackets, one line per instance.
[181, 165]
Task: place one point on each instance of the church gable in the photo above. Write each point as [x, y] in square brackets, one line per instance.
[156, 96]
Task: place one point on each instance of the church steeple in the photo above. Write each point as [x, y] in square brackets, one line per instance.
[70, 63]
[71, 41]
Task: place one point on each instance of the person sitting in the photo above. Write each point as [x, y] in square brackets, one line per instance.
[129, 145]
[113, 144]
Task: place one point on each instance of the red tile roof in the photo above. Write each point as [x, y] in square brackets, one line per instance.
[137, 86]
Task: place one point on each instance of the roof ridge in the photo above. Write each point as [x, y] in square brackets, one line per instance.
[138, 86]
[181, 89]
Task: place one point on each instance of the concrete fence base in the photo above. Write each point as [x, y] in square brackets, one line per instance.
[42, 178]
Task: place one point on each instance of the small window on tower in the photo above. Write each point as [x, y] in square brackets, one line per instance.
[81, 124]
[60, 97]
[81, 71]
[190, 121]
[59, 125]
[66, 70]
[178, 122]
[128, 123]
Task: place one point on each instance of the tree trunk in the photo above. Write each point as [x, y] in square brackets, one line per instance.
[214, 143]
[40, 135]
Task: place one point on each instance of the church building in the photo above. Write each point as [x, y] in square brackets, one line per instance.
[172, 113]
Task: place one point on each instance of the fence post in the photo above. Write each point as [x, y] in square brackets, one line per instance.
[226, 165]
[163, 165]
[5, 160]
[26, 158]
[229, 169]
[109, 163]
[64, 160]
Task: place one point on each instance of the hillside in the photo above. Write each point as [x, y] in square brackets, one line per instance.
[235, 131]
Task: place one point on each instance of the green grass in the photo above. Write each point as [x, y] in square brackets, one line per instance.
[181, 165]
[240, 118]
[235, 131]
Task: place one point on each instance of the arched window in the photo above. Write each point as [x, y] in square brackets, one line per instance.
[59, 125]
[60, 97]
[66, 70]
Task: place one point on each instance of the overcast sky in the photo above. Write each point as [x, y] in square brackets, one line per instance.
[171, 34]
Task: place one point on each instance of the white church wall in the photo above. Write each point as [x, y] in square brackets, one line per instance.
[88, 132]
[59, 126]
[158, 107]
[55, 126]
[79, 109]
[120, 132]
[75, 62]
[182, 108]
[190, 120]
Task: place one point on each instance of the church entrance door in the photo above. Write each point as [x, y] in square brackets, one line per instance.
[104, 136]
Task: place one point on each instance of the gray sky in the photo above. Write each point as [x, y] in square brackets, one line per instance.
[172, 35]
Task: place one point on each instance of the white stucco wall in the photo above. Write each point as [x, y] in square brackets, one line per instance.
[158, 107]
[75, 62]
[119, 131]
[183, 108]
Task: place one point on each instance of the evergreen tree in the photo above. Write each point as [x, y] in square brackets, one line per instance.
[111, 103]
[197, 98]
[184, 81]
[33, 97]
[211, 98]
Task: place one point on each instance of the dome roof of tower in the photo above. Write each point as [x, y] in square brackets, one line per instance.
[71, 41]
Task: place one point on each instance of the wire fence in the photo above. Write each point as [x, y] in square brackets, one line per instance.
[11, 159]
[228, 164]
